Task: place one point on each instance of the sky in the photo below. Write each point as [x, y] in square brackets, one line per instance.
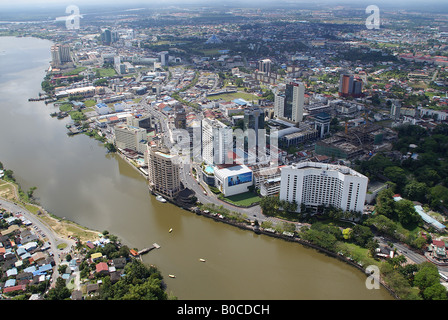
[396, 4]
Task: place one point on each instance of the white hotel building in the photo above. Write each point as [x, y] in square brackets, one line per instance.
[315, 184]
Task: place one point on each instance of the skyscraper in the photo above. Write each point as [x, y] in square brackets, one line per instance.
[163, 172]
[350, 86]
[217, 141]
[264, 65]
[60, 54]
[289, 105]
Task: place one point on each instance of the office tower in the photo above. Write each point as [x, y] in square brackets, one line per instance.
[322, 123]
[164, 58]
[264, 65]
[129, 137]
[254, 119]
[180, 119]
[108, 37]
[163, 172]
[315, 184]
[139, 121]
[289, 105]
[350, 86]
[60, 54]
[217, 141]
[395, 109]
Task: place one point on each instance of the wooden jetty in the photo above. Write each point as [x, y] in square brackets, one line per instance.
[146, 250]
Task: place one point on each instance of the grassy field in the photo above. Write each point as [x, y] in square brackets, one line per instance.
[243, 199]
[109, 72]
[249, 97]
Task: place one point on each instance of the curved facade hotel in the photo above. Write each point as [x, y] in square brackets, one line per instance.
[314, 184]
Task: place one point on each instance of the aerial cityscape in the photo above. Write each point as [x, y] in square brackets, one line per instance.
[226, 151]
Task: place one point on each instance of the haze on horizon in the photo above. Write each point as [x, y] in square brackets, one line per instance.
[398, 4]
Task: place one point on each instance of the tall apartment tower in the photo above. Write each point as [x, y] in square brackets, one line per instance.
[163, 172]
[217, 141]
[264, 65]
[350, 86]
[314, 184]
[60, 54]
[289, 105]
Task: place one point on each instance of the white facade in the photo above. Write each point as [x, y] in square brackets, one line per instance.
[128, 137]
[289, 106]
[216, 141]
[233, 180]
[315, 184]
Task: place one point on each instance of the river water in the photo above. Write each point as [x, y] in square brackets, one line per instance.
[76, 179]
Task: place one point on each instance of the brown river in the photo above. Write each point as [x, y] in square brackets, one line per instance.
[78, 180]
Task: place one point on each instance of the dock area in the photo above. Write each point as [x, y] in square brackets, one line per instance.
[146, 250]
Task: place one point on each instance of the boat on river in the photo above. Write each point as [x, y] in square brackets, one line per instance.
[161, 199]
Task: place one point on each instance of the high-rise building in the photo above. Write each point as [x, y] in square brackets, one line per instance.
[139, 121]
[60, 54]
[322, 123]
[108, 37]
[264, 65]
[129, 137]
[217, 142]
[315, 184]
[254, 120]
[163, 172]
[395, 109]
[350, 86]
[289, 105]
[164, 58]
[180, 119]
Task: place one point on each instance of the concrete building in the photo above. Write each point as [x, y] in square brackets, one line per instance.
[264, 66]
[163, 172]
[217, 141]
[322, 123]
[233, 180]
[314, 184]
[129, 137]
[60, 54]
[289, 105]
[350, 86]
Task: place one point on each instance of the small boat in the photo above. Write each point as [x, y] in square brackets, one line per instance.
[202, 260]
[171, 230]
[171, 276]
[161, 199]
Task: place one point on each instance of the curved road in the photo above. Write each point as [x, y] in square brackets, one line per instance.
[53, 238]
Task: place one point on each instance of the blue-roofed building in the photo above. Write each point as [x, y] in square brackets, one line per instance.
[30, 269]
[10, 283]
[428, 219]
[241, 102]
[21, 250]
[102, 108]
[11, 272]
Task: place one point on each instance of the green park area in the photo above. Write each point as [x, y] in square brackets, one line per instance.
[249, 97]
[244, 199]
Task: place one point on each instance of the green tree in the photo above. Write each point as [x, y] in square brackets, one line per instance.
[406, 213]
[415, 190]
[59, 292]
[426, 276]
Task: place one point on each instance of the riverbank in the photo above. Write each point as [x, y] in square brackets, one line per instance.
[60, 226]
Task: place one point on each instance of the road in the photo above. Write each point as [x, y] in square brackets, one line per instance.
[54, 239]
